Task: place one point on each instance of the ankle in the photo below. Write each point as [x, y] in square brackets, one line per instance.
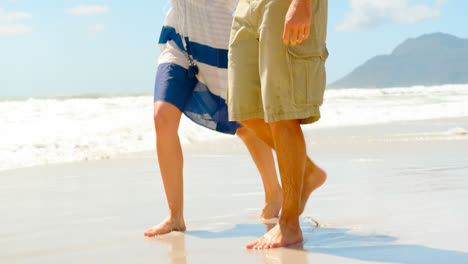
[291, 222]
[273, 200]
[274, 196]
[177, 217]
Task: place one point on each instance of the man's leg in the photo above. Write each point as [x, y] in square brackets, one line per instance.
[291, 153]
[166, 121]
[313, 176]
[263, 157]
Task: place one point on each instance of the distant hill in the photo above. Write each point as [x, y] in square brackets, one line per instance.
[432, 59]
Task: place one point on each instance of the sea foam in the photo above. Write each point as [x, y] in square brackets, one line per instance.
[40, 131]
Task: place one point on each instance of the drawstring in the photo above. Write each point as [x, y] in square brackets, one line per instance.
[193, 68]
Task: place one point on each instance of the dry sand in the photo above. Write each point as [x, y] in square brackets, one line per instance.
[396, 193]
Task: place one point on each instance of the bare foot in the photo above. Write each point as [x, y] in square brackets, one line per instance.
[313, 179]
[279, 236]
[166, 226]
[272, 207]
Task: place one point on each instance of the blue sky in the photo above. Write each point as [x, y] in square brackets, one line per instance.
[73, 47]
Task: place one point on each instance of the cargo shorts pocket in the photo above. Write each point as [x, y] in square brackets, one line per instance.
[307, 75]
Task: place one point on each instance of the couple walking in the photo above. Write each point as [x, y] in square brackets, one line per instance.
[259, 76]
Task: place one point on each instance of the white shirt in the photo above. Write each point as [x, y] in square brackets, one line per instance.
[207, 24]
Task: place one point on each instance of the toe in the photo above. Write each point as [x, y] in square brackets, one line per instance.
[255, 244]
[275, 245]
[259, 245]
[252, 245]
[263, 245]
[148, 232]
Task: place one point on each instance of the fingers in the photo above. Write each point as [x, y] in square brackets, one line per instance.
[306, 31]
[286, 34]
[300, 33]
[295, 34]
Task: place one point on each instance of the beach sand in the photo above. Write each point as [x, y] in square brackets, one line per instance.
[396, 193]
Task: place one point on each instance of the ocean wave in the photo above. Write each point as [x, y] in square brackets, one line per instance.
[459, 131]
[39, 131]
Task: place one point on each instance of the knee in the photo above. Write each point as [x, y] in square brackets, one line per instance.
[165, 120]
[159, 118]
[244, 133]
[253, 123]
[285, 126]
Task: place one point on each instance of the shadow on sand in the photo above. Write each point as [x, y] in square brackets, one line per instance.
[340, 242]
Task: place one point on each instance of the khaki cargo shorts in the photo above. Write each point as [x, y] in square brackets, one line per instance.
[268, 79]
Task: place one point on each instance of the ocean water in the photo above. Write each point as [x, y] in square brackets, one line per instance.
[39, 131]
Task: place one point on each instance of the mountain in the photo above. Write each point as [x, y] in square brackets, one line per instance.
[431, 59]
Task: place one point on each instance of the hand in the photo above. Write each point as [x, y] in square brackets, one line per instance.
[297, 22]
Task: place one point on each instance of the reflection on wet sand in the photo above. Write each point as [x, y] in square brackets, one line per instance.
[176, 243]
[291, 254]
[320, 240]
[177, 251]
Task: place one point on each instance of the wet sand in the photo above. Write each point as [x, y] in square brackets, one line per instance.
[396, 193]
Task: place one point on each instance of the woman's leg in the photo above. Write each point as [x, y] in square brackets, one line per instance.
[166, 122]
[262, 155]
